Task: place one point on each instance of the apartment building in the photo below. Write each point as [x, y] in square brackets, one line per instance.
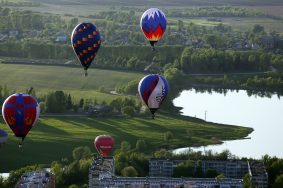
[229, 168]
[101, 175]
[162, 182]
[259, 174]
[38, 179]
[102, 167]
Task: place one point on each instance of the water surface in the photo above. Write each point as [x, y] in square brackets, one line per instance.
[263, 114]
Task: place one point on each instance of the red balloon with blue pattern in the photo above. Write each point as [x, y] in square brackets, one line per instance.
[153, 90]
[20, 111]
[86, 42]
[153, 24]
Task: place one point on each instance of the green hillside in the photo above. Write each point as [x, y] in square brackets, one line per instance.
[54, 138]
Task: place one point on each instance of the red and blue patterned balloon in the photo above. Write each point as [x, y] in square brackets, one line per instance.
[20, 111]
[153, 24]
[86, 43]
[153, 90]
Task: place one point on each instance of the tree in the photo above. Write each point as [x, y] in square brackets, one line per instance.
[73, 186]
[224, 155]
[180, 25]
[129, 171]
[82, 153]
[84, 165]
[185, 169]
[211, 173]
[162, 153]
[101, 89]
[69, 102]
[278, 182]
[274, 169]
[42, 107]
[140, 162]
[129, 88]
[81, 104]
[125, 146]
[2, 182]
[220, 176]
[247, 181]
[116, 104]
[186, 59]
[199, 173]
[56, 168]
[141, 145]
[174, 75]
[72, 23]
[56, 102]
[121, 161]
[211, 39]
[264, 61]
[71, 174]
[258, 28]
[128, 111]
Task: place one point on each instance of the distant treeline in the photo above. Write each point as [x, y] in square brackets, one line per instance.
[261, 85]
[213, 60]
[139, 58]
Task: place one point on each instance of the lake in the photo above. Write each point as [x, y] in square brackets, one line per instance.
[263, 114]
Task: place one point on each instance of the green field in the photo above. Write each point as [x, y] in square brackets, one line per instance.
[237, 23]
[54, 138]
[70, 79]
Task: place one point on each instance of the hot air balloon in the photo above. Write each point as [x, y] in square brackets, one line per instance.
[153, 24]
[3, 137]
[86, 42]
[20, 111]
[153, 90]
[104, 144]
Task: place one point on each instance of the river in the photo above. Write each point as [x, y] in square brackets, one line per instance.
[263, 114]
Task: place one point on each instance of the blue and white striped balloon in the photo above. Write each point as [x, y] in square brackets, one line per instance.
[153, 90]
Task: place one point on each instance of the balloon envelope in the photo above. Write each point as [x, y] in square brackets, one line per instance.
[3, 136]
[20, 112]
[104, 144]
[86, 42]
[153, 90]
[153, 24]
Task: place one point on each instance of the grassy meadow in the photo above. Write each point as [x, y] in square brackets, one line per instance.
[44, 78]
[54, 138]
